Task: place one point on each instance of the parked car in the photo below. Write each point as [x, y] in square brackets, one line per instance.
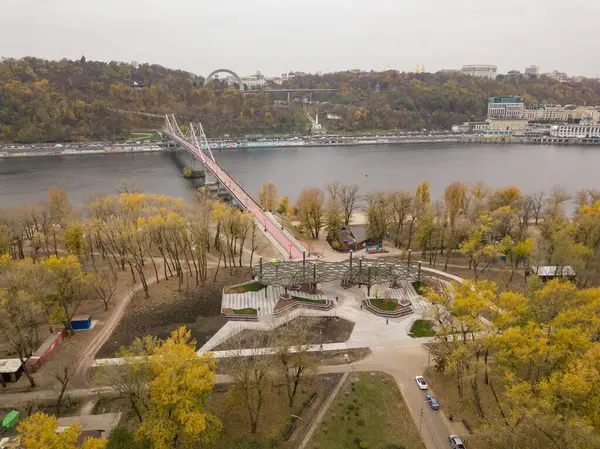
[433, 402]
[421, 382]
[456, 442]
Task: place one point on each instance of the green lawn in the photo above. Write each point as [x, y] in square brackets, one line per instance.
[252, 287]
[314, 301]
[382, 304]
[248, 311]
[421, 328]
[420, 287]
[369, 409]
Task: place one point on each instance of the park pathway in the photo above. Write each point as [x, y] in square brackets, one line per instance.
[322, 412]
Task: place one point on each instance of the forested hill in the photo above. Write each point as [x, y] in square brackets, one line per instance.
[78, 100]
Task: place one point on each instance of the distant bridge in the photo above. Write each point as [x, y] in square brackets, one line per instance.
[195, 142]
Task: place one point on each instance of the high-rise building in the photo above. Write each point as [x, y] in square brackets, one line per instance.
[481, 71]
[506, 108]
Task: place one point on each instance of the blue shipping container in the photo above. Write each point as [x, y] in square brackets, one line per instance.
[81, 322]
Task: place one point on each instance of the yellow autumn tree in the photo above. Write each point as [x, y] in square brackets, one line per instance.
[68, 283]
[39, 432]
[268, 196]
[181, 385]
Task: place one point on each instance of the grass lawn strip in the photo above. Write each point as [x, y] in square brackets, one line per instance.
[247, 311]
[382, 304]
[252, 287]
[369, 409]
[314, 301]
[422, 328]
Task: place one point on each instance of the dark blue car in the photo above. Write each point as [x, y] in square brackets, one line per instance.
[433, 403]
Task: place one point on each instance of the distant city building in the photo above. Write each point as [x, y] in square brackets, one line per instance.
[461, 128]
[481, 71]
[288, 76]
[478, 126]
[561, 77]
[546, 113]
[576, 131]
[578, 113]
[506, 108]
[533, 71]
[507, 125]
[514, 73]
[277, 80]
[251, 81]
[333, 117]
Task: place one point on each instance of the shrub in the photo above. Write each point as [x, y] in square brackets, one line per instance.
[121, 438]
[363, 445]
[335, 245]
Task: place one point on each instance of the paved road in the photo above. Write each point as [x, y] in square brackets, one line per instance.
[404, 363]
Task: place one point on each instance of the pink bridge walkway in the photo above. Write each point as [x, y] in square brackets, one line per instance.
[283, 241]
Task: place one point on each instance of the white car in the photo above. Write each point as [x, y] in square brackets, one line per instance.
[421, 382]
[456, 442]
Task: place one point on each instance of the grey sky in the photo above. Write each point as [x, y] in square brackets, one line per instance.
[309, 35]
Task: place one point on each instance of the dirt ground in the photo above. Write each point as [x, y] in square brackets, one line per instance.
[321, 330]
[445, 390]
[198, 308]
[275, 415]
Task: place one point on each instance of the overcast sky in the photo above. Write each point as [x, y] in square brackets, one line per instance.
[309, 35]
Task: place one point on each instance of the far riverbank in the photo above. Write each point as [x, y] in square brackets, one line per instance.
[19, 151]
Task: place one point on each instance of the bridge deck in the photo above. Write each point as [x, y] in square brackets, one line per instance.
[282, 240]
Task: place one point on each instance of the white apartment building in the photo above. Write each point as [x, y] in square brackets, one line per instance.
[575, 131]
[481, 71]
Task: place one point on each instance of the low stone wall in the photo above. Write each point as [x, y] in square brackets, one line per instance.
[289, 305]
[402, 310]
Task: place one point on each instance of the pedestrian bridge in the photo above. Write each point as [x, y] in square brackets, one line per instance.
[195, 142]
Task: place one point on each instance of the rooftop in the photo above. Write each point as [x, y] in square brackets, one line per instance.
[511, 99]
[9, 365]
[551, 271]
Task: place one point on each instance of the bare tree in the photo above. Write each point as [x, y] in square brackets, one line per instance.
[105, 285]
[334, 189]
[62, 370]
[292, 348]
[555, 203]
[537, 201]
[349, 200]
[251, 377]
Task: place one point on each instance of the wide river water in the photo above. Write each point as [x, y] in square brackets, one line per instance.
[532, 168]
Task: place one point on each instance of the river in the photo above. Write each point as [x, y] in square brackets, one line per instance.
[532, 168]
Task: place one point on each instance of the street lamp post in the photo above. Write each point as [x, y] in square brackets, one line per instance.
[421, 419]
